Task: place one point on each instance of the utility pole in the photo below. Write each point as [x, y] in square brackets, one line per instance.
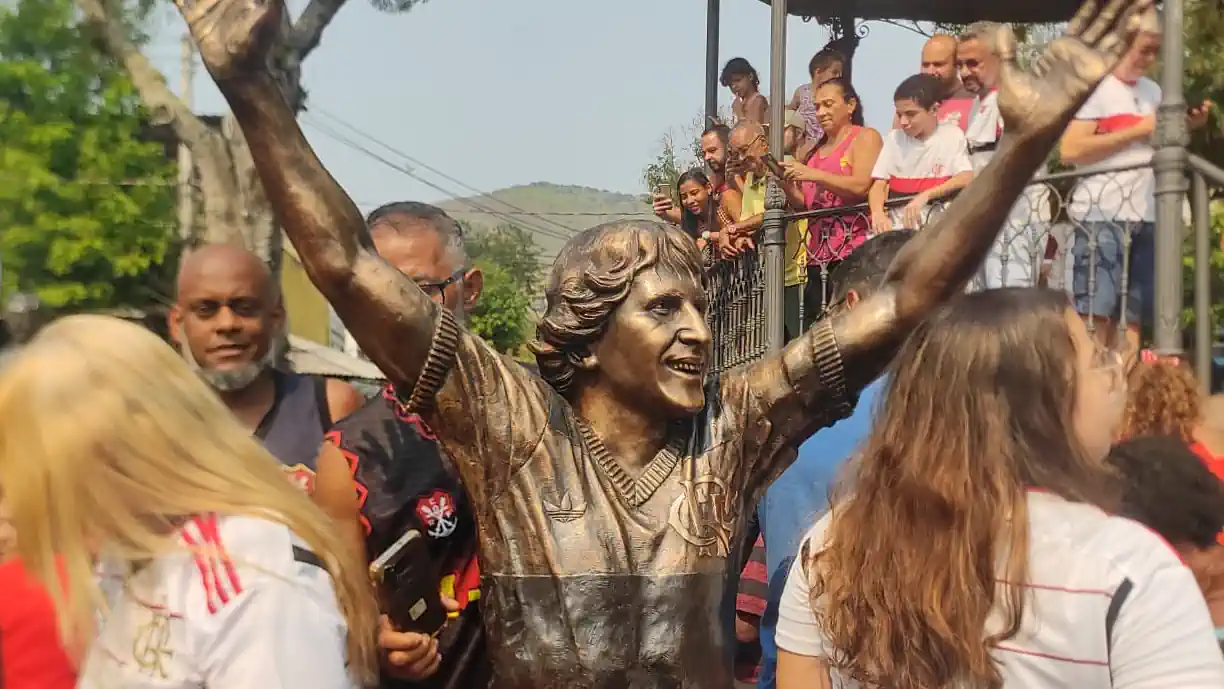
[186, 197]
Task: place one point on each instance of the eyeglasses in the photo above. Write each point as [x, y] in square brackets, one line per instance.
[437, 290]
[736, 154]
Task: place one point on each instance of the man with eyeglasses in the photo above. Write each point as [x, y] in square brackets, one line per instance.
[228, 322]
[381, 472]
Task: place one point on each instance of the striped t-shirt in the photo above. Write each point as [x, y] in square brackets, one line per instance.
[1110, 606]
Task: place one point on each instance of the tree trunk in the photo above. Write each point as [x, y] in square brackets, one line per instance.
[230, 201]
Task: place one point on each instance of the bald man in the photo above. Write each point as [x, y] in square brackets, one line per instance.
[939, 60]
[227, 322]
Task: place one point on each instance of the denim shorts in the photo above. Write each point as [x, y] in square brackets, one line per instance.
[1115, 275]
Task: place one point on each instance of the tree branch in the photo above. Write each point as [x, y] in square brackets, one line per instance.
[148, 81]
[308, 29]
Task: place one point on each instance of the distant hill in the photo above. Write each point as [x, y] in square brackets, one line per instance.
[552, 212]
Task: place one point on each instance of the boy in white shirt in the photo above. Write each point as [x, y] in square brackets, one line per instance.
[923, 159]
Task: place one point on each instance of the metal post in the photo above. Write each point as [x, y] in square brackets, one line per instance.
[1169, 163]
[773, 228]
[186, 197]
[1202, 281]
[713, 18]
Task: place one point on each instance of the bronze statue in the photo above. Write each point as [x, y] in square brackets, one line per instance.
[609, 491]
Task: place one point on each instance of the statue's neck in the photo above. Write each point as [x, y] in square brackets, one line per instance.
[631, 434]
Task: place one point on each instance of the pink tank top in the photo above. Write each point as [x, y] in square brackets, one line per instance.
[832, 238]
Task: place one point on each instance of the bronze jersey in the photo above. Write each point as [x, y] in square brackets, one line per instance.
[594, 578]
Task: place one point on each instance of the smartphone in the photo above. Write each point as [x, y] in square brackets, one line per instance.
[407, 582]
[774, 168]
[663, 191]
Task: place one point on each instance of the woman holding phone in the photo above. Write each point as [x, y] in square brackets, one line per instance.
[703, 211]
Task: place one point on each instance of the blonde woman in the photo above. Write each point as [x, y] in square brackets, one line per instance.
[212, 570]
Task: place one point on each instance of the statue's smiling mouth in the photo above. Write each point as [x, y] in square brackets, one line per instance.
[688, 367]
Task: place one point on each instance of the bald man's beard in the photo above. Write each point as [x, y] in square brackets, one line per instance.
[241, 378]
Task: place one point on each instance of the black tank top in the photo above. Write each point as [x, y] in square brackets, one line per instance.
[293, 428]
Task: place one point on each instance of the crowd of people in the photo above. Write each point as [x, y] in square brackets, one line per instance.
[845, 181]
[946, 490]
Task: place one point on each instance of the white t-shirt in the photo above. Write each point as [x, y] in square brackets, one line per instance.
[241, 610]
[1082, 562]
[1130, 195]
[912, 166]
[985, 128]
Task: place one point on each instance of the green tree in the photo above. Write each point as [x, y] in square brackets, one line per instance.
[679, 152]
[86, 202]
[510, 261]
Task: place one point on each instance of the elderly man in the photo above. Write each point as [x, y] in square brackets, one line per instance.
[403, 480]
[1014, 259]
[609, 489]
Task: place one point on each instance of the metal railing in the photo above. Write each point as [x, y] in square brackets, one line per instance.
[1088, 232]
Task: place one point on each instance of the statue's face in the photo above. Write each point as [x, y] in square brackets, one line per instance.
[655, 351]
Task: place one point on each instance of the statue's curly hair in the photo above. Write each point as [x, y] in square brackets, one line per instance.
[1162, 399]
[591, 277]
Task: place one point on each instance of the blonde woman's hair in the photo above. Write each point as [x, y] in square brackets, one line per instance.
[110, 438]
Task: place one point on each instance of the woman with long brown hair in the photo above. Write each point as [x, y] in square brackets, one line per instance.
[973, 544]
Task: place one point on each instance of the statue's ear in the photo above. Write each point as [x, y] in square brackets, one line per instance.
[586, 360]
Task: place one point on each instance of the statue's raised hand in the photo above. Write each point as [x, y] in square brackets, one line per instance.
[233, 36]
[1070, 67]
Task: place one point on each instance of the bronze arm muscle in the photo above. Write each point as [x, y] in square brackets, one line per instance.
[391, 318]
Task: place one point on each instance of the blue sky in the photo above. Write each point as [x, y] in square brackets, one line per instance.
[496, 93]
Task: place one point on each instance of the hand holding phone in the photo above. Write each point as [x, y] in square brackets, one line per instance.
[771, 163]
[407, 582]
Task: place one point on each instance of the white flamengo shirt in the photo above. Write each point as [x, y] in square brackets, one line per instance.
[242, 606]
[1125, 196]
[1109, 606]
[911, 166]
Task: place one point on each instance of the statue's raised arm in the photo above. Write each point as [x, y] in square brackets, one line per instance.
[836, 359]
[392, 319]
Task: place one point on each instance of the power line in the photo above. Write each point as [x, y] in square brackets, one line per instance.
[327, 131]
[436, 171]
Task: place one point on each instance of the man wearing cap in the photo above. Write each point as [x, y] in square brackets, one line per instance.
[749, 145]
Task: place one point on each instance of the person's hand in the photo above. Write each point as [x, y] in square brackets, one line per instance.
[795, 171]
[880, 222]
[662, 204]
[1043, 99]
[912, 213]
[410, 655]
[1196, 117]
[1147, 125]
[233, 36]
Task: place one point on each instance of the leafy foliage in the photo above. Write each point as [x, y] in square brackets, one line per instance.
[509, 259]
[679, 152]
[86, 203]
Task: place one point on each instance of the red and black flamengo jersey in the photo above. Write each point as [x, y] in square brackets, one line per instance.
[403, 482]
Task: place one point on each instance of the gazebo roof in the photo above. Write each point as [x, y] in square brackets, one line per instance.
[943, 11]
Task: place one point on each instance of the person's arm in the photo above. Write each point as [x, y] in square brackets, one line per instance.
[757, 109]
[816, 378]
[863, 154]
[278, 635]
[732, 203]
[1163, 636]
[342, 399]
[669, 215]
[801, 645]
[336, 494]
[795, 100]
[877, 196]
[1082, 145]
[954, 184]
